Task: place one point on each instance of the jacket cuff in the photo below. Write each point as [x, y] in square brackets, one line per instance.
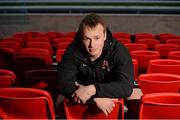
[97, 90]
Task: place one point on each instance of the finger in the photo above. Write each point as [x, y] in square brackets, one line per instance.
[84, 101]
[113, 104]
[108, 110]
[105, 112]
[78, 101]
[111, 108]
[75, 98]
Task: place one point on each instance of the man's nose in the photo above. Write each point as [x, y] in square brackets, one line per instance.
[91, 43]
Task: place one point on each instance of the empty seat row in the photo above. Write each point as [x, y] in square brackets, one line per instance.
[37, 104]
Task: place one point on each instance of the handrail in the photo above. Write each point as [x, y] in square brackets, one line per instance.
[87, 6]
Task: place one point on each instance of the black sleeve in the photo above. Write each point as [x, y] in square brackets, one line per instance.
[67, 72]
[121, 85]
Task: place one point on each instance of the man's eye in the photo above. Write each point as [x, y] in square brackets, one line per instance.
[97, 38]
[86, 39]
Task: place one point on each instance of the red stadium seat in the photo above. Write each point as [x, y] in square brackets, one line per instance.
[174, 55]
[63, 45]
[15, 39]
[164, 49]
[25, 103]
[69, 35]
[173, 41]
[37, 52]
[151, 43]
[163, 37]
[123, 40]
[37, 39]
[62, 40]
[90, 111]
[6, 81]
[59, 54]
[135, 65]
[33, 33]
[160, 106]
[41, 79]
[136, 46]
[7, 78]
[22, 35]
[143, 57]
[139, 36]
[6, 56]
[43, 45]
[121, 35]
[7, 72]
[11, 44]
[57, 34]
[159, 82]
[21, 64]
[49, 36]
[164, 66]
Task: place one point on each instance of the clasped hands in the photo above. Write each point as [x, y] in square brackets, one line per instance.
[84, 93]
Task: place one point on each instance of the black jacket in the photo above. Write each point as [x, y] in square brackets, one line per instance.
[112, 73]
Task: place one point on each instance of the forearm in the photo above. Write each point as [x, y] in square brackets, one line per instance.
[84, 93]
[115, 89]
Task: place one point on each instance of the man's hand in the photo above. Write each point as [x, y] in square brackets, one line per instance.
[105, 104]
[83, 93]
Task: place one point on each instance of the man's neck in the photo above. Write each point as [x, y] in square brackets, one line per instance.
[93, 59]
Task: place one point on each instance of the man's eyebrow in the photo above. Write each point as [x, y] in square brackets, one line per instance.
[86, 36]
[92, 36]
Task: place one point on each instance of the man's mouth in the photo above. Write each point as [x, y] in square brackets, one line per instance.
[92, 50]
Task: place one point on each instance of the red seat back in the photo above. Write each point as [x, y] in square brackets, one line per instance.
[173, 41]
[144, 56]
[123, 40]
[174, 55]
[121, 35]
[164, 66]
[21, 64]
[151, 43]
[135, 65]
[37, 52]
[62, 40]
[164, 49]
[6, 81]
[160, 106]
[159, 82]
[59, 54]
[6, 56]
[136, 46]
[11, 44]
[41, 79]
[139, 36]
[25, 103]
[43, 45]
[90, 111]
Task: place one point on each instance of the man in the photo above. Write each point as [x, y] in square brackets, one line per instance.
[95, 66]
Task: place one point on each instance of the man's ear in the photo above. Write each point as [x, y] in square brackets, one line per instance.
[105, 35]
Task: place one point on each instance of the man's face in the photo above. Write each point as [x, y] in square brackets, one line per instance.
[93, 40]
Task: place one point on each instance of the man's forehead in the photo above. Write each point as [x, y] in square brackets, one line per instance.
[95, 28]
[89, 27]
[91, 33]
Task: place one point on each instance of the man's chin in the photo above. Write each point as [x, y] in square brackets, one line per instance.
[92, 54]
